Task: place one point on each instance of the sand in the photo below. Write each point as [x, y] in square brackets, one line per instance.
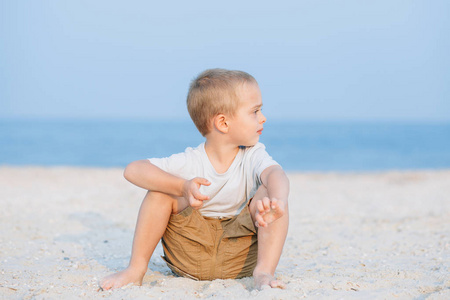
[352, 236]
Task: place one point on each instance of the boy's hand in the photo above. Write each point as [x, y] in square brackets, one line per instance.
[192, 193]
[268, 210]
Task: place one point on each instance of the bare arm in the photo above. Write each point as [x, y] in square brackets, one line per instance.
[276, 182]
[275, 204]
[146, 175]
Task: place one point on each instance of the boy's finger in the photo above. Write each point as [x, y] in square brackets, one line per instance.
[259, 221]
[260, 207]
[199, 196]
[195, 203]
[266, 202]
[202, 181]
[274, 203]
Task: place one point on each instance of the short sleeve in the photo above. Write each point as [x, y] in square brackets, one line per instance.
[173, 164]
[261, 160]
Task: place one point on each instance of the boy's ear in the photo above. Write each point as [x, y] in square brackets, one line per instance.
[221, 123]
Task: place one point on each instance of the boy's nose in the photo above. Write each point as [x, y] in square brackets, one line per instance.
[263, 118]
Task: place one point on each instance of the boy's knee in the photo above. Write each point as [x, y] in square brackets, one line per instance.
[159, 197]
[166, 200]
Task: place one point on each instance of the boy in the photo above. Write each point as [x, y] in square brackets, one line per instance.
[221, 209]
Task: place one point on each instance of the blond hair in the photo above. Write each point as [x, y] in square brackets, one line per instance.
[213, 92]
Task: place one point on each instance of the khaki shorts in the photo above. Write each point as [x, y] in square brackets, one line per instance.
[203, 248]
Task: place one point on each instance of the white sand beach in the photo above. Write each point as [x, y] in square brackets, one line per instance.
[383, 235]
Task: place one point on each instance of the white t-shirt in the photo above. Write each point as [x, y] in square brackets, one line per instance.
[229, 192]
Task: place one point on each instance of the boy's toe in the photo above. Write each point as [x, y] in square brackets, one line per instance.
[105, 285]
[277, 284]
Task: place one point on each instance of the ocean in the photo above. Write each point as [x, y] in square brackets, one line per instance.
[297, 146]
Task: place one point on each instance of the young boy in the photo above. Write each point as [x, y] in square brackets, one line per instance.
[221, 209]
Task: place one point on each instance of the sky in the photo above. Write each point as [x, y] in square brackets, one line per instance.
[314, 60]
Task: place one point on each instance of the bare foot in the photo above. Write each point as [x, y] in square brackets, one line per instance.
[265, 280]
[122, 278]
[268, 211]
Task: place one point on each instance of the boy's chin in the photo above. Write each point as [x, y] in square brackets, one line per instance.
[248, 145]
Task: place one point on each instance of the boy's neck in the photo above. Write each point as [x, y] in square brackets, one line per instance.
[220, 154]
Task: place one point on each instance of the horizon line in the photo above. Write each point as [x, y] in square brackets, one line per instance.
[183, 120]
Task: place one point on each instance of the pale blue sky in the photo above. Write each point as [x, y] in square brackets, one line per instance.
[314, 60]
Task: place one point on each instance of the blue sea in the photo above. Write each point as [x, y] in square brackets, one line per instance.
[297, 146]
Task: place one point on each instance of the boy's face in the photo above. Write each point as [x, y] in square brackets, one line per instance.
[247, 124]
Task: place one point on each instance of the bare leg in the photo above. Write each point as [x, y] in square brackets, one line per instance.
[152, 221]
[270, 241]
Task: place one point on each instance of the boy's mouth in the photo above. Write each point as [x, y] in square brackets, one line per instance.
[260, 131]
